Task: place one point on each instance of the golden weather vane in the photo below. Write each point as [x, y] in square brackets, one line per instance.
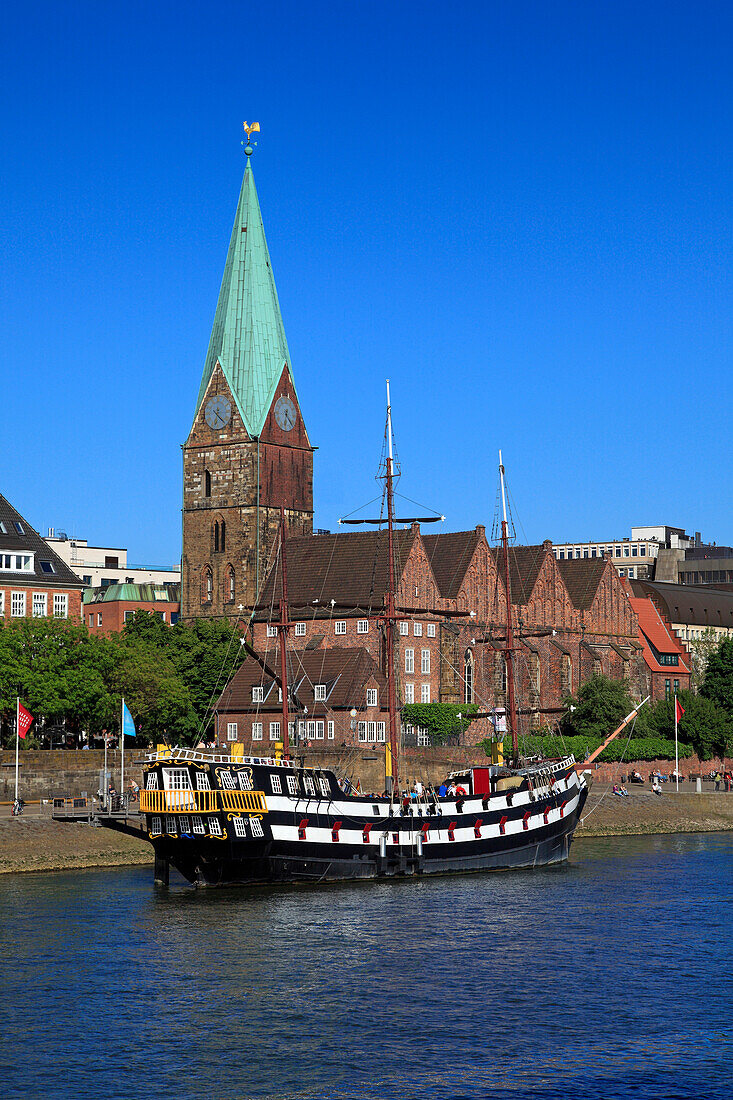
[249, 129]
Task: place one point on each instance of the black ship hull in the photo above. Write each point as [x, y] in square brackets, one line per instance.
[315, 834]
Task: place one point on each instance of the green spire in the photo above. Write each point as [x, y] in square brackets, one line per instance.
[248, 337]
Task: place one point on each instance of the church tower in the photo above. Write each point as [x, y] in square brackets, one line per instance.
[248, 451]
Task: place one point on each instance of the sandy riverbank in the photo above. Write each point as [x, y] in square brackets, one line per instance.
[605, 814]
[34, 843]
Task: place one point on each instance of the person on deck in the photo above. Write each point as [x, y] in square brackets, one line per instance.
[442, 791]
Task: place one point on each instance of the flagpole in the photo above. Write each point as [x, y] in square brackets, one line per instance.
[122, 734]
[105, 784]
[17, 741]
[676, 754]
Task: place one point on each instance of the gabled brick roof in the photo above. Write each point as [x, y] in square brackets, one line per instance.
[350, 569]
[450, 555]
[345, 672]
[12, 541]
[525, 563]
[582, 577]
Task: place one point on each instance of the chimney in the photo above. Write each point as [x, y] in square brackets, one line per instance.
[547, 544]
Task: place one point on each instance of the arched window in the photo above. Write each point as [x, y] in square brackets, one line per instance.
[566, 675]
[207, 484]
[468, 678]
[229, 584]
[216, 538]
[223, 536]
[207, 584]
[536, 677]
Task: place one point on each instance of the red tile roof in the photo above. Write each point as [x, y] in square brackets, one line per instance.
[655, 636]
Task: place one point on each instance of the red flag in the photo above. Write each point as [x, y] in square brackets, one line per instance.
[678, 710]
[24, 720]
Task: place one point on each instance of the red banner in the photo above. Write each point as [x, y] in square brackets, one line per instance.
[24, 720]
[679, 711]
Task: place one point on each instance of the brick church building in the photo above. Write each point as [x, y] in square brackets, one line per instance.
[248, 455]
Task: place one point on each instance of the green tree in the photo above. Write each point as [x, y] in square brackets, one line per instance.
[441, 719]
[701, 650]
[718, 683]
[599, 707]
[707, 727]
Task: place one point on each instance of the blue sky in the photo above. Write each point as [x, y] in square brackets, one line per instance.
[519, 212]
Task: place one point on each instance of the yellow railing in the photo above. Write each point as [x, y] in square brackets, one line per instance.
[202, 802]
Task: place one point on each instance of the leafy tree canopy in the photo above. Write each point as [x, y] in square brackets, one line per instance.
[440, 719]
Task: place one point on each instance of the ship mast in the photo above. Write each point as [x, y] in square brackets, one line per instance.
[509, 641]
[282, 629]
[391, 617]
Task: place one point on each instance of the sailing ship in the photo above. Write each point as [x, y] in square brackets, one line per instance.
[222, 819]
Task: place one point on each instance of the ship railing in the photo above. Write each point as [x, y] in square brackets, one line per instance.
[202, 802]
[197, 757]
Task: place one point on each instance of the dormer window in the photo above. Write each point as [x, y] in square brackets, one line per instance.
[372, 697]
[47, 567]
[258, 694]
[19, 527]
[320, 693]
[16, 563]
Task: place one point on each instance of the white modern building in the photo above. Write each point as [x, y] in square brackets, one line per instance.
[100, 566]
[633, 557]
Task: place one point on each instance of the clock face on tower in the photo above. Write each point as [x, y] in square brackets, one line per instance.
[285, 413]
[218, 411]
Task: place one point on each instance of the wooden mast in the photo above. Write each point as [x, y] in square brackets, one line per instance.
[282, 628]
[509, 644]
[391, 616]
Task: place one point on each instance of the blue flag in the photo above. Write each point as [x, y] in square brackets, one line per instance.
[128, 725]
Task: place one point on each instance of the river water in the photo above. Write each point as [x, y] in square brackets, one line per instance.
[609, 977]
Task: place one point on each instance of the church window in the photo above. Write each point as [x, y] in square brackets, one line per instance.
[566, 674]
[207, 585]
[207, 484]
[216, 538]
[230, 584]
[223, 536]
[468, 678]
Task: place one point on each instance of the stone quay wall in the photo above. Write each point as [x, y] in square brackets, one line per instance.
[57, 773]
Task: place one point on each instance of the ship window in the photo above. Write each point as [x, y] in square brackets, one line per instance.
[325, 789]
[202, 782]
[156, 827]
[256, 826]
[176, 779]
[198, 825]
[309, 785]
[214, 826]
[151, 781]
[184, 824]
[292, 784]
[170, 826]
[276, 784]
[239, 826]
[227, 780]
[245, 781]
